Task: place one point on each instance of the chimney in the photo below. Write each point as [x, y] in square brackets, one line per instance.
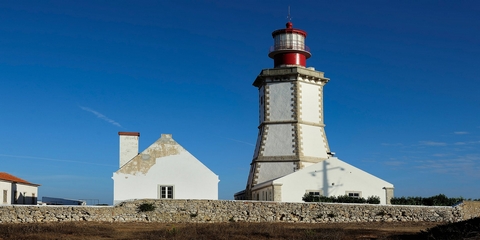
[128, 146]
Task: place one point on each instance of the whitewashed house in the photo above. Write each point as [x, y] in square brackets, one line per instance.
[17, 191]
[165, 170]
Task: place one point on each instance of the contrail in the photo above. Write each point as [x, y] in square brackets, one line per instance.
[101, 116]
[55, 160]
[240, 141]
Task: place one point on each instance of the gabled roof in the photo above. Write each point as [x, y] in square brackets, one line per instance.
[9, 177]
[163, 148]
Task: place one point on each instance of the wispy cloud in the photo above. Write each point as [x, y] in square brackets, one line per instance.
[466, 143]
[61, 177]
[394, 163]
[460, 133]
[101, 116]
[432, 143]
[251, 144]
[53, 159]
[392, 144]
[462, 165]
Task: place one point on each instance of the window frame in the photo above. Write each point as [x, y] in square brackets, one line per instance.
[166, 195]
[319, 191]
[359, 193]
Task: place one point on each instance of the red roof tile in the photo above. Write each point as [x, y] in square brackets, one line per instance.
[9, 177]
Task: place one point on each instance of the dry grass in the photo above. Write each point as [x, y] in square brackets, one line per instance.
[219, 231]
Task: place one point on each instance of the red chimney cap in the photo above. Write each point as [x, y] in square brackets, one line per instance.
[129, 134]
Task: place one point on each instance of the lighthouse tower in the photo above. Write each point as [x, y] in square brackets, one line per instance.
[292, 157]
[291, 132]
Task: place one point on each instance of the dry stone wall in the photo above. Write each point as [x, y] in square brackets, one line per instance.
[471, 209]
[233, 211]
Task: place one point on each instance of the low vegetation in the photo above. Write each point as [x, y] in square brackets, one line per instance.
[437, 200]
[146, 207]
[341, 199]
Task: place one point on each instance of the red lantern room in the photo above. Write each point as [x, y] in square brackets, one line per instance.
[289, 47]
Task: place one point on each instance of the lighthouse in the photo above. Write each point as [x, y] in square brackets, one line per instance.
[291, 130]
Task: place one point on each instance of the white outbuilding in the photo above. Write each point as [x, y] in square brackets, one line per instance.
[164, 170]
[17, 191]
[331, 177]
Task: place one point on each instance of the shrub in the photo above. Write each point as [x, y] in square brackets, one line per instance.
[437, 200]
[348, 199]
[326, 199]
[146, 207]
[373, 200]
[340, 199]
[310, 198]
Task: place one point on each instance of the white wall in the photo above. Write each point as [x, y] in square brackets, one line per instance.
[313, 142]
[279, 140]
[128, 148]
[270, 170]
[280, 101]
[311, 102]
[8, 187]
[26, 194]
[338, 178]
[175, 166]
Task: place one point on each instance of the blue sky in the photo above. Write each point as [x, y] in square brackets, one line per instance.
[403, 101]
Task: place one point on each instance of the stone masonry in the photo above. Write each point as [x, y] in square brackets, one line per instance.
[214, 211]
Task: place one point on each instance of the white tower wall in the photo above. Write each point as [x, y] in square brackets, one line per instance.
[278, 140]
[279, 98]
[291, 131]
[313, 144]
[310, 101]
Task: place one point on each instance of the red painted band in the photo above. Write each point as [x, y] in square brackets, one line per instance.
[290, 59]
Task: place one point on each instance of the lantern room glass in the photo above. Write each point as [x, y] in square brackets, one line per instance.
[292, 41]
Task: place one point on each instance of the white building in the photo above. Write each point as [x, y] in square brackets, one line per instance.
[331, 177]
[17, 191]
[165, 170]
[292, 156]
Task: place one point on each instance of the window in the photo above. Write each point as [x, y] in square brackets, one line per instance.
[354, 194]
[166, 192]
[5, 196]
[315, 193]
